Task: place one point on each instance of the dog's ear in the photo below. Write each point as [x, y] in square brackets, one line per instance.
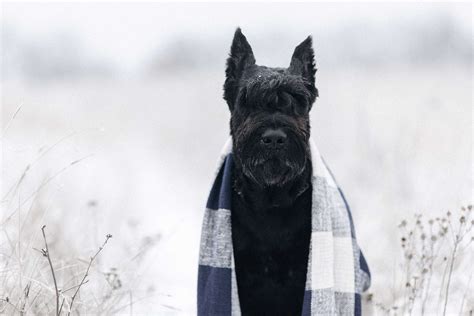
[303, 64]
[302, 61]
[240, 57]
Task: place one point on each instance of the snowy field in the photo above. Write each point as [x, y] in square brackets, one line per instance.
[132, 153]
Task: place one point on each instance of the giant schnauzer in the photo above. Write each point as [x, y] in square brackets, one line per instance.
[271, 198]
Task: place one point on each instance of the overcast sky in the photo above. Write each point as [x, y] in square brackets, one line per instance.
[125, 33]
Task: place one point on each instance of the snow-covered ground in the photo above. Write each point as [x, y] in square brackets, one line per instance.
[398, 142]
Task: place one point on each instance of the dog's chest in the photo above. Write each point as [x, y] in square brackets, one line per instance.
[271, 256]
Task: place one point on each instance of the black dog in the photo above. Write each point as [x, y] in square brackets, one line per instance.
[271, 198]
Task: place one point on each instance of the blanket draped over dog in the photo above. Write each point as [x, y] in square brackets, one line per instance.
[337, 271]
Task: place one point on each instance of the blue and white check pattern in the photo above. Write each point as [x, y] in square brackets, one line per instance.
[337, 270]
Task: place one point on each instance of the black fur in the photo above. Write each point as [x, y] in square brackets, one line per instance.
[271, 199]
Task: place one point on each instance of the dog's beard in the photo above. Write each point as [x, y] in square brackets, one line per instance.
[270, 168]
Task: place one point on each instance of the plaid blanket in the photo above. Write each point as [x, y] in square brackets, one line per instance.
[337, 270]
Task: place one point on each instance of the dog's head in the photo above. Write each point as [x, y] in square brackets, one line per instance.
[270, 112]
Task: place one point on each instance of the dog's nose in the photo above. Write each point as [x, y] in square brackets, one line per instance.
[274, 138]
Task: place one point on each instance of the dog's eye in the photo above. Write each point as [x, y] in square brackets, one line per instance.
[285, 101]
[293, 103]
[300, 104]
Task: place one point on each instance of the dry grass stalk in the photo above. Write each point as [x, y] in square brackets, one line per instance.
[19, 265]
[435, 253]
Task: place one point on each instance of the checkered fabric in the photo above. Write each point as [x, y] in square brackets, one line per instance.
[337, 270]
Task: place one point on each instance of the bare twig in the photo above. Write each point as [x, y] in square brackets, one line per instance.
[431, 259]
[83, 281]
[62, 303]
[74, 287]
[457, 240]
[438, 253]
[47, 255]
[27, 293]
